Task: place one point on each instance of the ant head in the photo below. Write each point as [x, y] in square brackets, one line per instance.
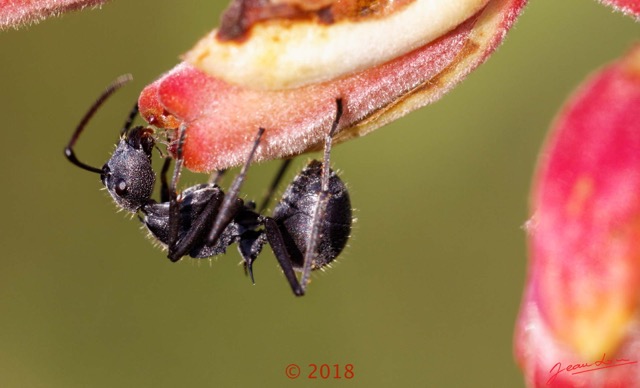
[128, 175]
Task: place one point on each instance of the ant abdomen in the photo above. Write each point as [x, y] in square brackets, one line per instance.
[294, 216]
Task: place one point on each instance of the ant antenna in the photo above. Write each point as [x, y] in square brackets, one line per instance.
[68, 151]
[129, 122]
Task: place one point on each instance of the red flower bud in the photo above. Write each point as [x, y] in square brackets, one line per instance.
[222, 117]
[14, 13]
[581, 307]
[629, 7]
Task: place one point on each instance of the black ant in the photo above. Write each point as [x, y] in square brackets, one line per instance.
[308, 229]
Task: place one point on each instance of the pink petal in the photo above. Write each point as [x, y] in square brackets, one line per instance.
[629, 7]
[14, 13]
[222, 118]
[583, 289]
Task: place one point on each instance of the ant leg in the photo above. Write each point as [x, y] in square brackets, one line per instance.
[250, 246]
[220, 210]
[177, 249]
[174, 206]
[215, 178]
[165, 195]
[232, 203]
[198, 228]
[274, 237]
[323, 198]
[68, 151]
[276, 181]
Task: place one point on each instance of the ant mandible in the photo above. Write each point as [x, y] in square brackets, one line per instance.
[308, 229]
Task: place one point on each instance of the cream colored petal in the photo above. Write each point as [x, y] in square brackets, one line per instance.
[286, 54]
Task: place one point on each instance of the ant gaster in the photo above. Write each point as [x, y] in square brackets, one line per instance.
[308, 228]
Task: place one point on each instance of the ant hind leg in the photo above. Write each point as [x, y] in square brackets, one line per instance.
[323, 199]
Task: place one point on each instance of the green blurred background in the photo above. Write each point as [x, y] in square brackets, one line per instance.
[426, 294]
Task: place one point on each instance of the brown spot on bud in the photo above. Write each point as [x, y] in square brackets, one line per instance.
[242, 15]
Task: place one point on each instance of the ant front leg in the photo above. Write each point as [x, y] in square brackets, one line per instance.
[174, 206]
[211, 221]
[179, 247]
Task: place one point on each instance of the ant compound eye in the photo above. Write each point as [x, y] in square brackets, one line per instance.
[121, 187]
